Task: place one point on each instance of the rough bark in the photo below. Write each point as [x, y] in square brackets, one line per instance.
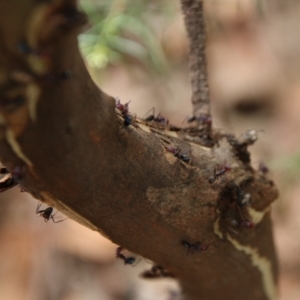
[65, 142]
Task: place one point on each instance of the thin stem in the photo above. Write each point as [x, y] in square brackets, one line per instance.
[195, 26]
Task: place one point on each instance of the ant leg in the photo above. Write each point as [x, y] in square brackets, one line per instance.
[52, 217]
[185, 119]
[54, 221]
[240, 213]
[40, 213]
[166, 124]
[54, 214]
[38, 207]
[136, 262]
[177, 153]
[150, 117]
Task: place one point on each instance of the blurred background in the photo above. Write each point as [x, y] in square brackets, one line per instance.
[137, 50]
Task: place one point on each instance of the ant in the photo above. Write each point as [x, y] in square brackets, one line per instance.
[156, 272]
[124, 109]
[130, 260]
[177, 153]
[47, 213]
[202, 119]
[193, 247]
[158, 119]
[263, 168]
[243, 223]
[247, 224]
[242, 198]
[219, 171]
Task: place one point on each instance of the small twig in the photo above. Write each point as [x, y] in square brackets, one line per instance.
[195, 26]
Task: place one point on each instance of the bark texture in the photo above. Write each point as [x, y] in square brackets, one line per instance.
[65, 142]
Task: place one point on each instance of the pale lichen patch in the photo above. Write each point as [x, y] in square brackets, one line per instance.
[257, 215]
[18, 120]
[37, 64]
[184, 171]
[171, 158]
[10, 137]
[171, 134]
[144, 127]
[36, 20]
[32, 94]
[217, 230]
[263, 265]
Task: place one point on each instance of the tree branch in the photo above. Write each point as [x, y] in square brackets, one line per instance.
[146, 189]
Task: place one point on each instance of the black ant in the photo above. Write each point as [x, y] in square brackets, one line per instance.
[47, 213]
[158, 119]
[242, 223]
[247, 224]
[130, 260]
[192, 248]
[127, 120]
[156, 272]
[241, 200]
[202, 119]
[177, 153]
[263, 168]
[219, 171]
[124, 109]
